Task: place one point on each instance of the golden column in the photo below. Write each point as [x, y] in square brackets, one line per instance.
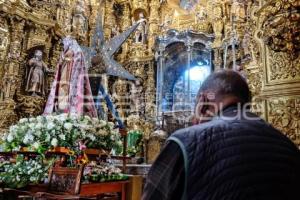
[109, 20]
[126, 22]
[218, 26]
[153, 23]
[11, 80]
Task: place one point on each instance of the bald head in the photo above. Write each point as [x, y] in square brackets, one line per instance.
[227, 83]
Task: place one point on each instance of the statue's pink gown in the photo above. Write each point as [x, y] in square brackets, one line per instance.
[71, 90]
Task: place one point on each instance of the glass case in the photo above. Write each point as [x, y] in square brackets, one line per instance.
[184, 60]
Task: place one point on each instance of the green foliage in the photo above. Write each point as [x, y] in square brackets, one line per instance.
[134, 143]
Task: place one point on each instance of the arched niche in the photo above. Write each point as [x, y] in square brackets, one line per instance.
[184, 60]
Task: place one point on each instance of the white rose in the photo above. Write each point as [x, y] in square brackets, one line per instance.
[28, 138]
[36, 145]
[50, 118]
[40, 119]
[23, 120]
[31, 125]
[92, 137]
[24, 127]
[73, 116]
[38, 133]
[62, 137]
[39, 126]
[54, 142]
[31, 119]
[25, 141]
[48, 138]
[68, 126]
[50, 125]
[13, 128]
[102, 123]
[62, 117]
[10, 137]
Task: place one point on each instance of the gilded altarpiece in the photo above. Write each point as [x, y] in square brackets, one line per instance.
[244, 32]
[274, 70]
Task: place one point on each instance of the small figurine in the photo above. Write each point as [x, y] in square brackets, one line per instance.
[138, 97]
[115, 31]
[142, 29]
[79, 20]
[35, 83]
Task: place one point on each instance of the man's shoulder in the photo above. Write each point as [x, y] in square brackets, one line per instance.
[201, 129]
[221, 125]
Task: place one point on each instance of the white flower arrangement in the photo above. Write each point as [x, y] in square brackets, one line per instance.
[23, 172]
[45, 132]
[103, 172]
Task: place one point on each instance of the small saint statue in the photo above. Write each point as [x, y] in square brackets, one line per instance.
[115, 31]
[238, 11]
[138, 105]
[142, 29]
[79, 19]
[35, 82]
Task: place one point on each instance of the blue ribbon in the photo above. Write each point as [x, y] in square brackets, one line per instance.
[110, 106]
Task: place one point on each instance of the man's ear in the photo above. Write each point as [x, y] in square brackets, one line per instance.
[202, 104]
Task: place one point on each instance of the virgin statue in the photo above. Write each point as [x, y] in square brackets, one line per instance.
[71, 90]
[35, 78]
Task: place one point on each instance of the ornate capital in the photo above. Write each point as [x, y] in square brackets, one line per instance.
[280, 22]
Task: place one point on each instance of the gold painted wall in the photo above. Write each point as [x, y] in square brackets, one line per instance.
[274, 67]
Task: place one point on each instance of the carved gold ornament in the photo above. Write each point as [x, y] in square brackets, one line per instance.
[281, 22]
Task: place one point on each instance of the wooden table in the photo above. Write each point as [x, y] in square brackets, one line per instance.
[86, 189]
[91, 189]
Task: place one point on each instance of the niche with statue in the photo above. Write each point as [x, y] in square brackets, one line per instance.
[184, 60]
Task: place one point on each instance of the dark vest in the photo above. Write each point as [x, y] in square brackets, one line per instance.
[238, 158]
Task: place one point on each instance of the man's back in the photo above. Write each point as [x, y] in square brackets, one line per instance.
[234, 156]
[238, 159]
